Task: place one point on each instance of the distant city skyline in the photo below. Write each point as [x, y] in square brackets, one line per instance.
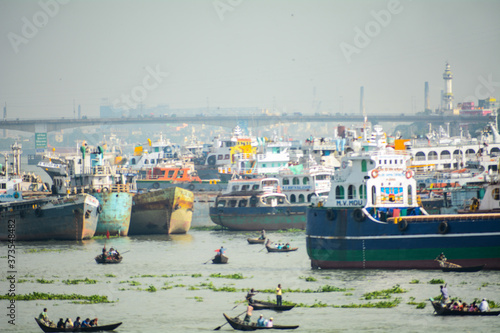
[290, 55]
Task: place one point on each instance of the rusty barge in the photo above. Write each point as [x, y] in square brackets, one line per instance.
[163, 211]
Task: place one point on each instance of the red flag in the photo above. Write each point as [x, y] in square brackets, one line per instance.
[107, 234]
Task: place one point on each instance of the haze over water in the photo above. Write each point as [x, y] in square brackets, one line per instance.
[182, 263]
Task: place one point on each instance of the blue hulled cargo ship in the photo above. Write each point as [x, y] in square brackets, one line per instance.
[372, 219]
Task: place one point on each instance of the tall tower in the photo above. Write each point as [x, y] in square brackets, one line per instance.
[426, 97]
[362, 100]
[448, 94]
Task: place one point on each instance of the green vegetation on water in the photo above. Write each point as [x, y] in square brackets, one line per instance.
[386, 293]
[48, 296]
[237, 276]
[436, 281]
[78, 281]
[43, 281]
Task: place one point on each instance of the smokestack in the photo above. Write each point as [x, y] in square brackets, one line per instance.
[79, 111]
[426, 96]
[362, 101]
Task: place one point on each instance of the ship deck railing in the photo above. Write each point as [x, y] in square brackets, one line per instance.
[447, 217]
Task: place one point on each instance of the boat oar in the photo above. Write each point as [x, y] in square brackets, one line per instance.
[219, 327]
[207, 261]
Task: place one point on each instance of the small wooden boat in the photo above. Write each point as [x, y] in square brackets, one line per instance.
[238, 324]
[108, 259]
[444, 311]
[274, 249]
[447, 266]
[99, 328]
[261, 305]
[220, 259]
[255, 240]
[463, 269]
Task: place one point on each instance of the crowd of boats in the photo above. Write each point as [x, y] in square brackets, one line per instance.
[364, 199]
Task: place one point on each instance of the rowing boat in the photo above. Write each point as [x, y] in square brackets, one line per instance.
[273, 249]
[99, 328]
[463, 269]
[256, 240]
[261, 305]
[239, 325]
[220, 259]
[444, 311]
[108, 260]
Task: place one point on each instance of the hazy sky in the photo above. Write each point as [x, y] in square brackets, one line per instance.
[299, 55]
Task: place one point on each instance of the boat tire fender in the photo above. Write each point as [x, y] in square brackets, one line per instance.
[191, 187]
[331, 215]
[99, 209]
[156, 185]
[211, 160]
[358, 215]
[402, 225]
[38, 212]
[287, 212]
[443, 227]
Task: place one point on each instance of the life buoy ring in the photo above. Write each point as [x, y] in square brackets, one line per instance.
[191, 187]
[156, 185]
[408, 174]
[402, 225]
[331, 214]
[168, 149]
[211, 160]
[358, 215]
[374, 173]
[16, 195]
[443, 227]
[105, 189]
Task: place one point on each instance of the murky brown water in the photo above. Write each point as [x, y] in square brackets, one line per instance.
[178, 261]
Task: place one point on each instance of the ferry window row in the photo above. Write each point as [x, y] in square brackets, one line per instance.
[389, 162]
[296, 181]
[351, 192]
[247, 187]
[446, 154]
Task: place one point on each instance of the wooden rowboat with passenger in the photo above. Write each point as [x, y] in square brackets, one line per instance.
[239, 325]
[262, 305]
[445, 311]
[256, 240]
[99, 328]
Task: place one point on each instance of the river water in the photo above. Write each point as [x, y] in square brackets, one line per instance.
[178, 264]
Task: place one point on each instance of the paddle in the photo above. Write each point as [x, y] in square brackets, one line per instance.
[219, 327]
[207, 261]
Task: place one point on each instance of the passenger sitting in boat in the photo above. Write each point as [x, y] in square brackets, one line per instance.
[60, 323]
[261, 322]
[43, 316]
[441, 257]
[287, 246]
[464, 307]
[93, 322]
[86, 323]
[104, 252]
[473, 307]
[112, 252]
[77, 323]
[270, 322]
[484, 306]
[222, 251]
[68, 323]
[455, 306]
